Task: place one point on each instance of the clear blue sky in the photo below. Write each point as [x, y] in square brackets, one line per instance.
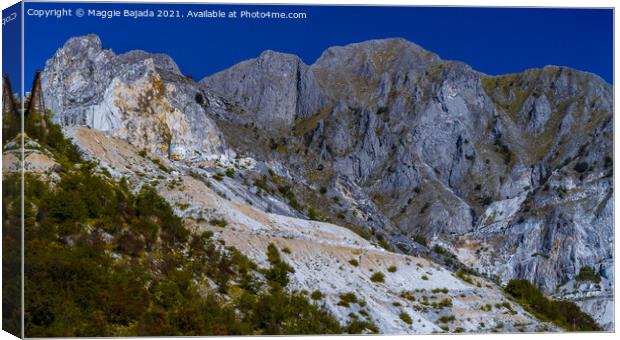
[11, 45]
[492, 40]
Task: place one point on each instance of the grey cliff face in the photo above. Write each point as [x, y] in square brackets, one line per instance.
[275, 88]
[137, 96]
[79, 54]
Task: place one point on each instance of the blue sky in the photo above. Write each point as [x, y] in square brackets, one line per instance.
[11, 45]
[491, 40]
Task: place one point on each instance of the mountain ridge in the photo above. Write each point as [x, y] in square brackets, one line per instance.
[387, 139]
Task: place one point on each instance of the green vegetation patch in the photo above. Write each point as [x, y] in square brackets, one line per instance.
[405, 317]
[347, 299]
[377, 277]
[277, 275]
[564, 314]
[218, 222]
[587, 273]
[317, 295]
[362, 327]
[461, 274]
[446, 318]
[420, 239]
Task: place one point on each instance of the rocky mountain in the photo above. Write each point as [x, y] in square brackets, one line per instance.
[137, 96]
[508, 177]
[509, 172]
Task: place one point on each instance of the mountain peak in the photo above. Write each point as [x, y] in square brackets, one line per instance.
[138, 96]
[275, 55]
[383, 45]
[82, 47]
[377, 51]
[275, 87]
[89, 40]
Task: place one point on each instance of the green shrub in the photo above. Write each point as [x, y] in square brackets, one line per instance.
[392, 269]
[420, 239]
[407, 295]
[277, 275]
[506, 305]
[405, 317]
[354, 262]
[317, 295]
[218, 222]
[446, 318]
[313, 214]
[587, 273]
[230, 172]
[347, 299]
[160, 165]
[445, 303]
[461, 274]
[287, 192]
[359, 327]
[377, 277]
[295, 204]
[383, 243]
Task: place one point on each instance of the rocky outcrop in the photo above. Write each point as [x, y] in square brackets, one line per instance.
[31, 158]
[275, 89]
[137, 96]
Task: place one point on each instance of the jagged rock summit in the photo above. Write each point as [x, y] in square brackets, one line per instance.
[137, 96]
[275, 88]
